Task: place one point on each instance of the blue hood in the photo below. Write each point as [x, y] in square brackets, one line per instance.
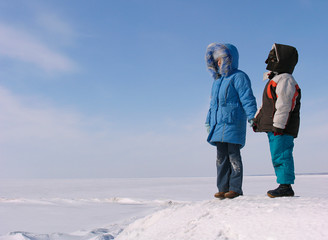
[229, 55]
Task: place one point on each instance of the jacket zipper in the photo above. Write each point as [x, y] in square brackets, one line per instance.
[225, 103]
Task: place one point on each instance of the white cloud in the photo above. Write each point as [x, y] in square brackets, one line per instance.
[41, 140]
[20, 45]
[56, 27]
[44, 141]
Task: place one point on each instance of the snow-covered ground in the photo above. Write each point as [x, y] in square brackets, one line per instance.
[155, 209]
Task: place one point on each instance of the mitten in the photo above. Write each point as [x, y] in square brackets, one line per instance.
[277, 134]
[253, 124]
[278, 131]
[208, 127]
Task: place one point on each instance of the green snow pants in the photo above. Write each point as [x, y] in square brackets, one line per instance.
[281, 148]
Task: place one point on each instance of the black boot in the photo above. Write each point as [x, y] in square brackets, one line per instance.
[284, 190]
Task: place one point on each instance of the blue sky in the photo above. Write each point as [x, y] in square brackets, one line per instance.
[120, 88]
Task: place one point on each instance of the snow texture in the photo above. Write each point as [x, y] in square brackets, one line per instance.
[160, 209]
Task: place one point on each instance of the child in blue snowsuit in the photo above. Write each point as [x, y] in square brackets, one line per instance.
[279, 115]
[232, 104]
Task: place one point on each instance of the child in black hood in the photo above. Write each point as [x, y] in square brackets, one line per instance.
[279, 115]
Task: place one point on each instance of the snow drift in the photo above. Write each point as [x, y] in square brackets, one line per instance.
[241, 218]
[164, 215]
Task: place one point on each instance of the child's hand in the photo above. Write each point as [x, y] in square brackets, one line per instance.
[277, 134]
[253, 124]
[278, 131]
[208, 127]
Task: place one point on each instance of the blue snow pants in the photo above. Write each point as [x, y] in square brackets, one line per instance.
[281, 148]
[229, 167]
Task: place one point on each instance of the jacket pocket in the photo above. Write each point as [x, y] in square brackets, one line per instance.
[229, 113]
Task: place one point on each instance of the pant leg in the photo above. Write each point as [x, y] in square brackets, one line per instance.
[223, 167]
[281, 148]
[236, 176]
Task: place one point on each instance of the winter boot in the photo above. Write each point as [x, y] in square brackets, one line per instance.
[231, 194]
[284, 190]
[219, 195]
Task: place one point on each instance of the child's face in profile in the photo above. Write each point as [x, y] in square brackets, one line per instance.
[219, 62]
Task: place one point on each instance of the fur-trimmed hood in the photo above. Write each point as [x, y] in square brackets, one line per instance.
[229, 55]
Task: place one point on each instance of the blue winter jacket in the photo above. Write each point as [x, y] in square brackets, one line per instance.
[232, 99]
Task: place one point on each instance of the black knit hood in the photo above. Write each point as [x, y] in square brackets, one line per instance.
[282, 59]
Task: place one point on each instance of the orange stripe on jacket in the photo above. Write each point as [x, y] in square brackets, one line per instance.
[295, 96]
[273, 84]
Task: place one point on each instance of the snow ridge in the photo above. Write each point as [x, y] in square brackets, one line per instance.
[162, 209]
[243, 218]
[61, 201]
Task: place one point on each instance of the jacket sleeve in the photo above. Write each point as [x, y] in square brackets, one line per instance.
[285, 91]
[208, 118]
[244, 89]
